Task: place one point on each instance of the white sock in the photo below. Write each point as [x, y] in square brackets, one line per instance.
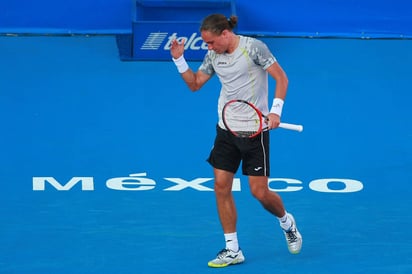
[285, 222]
[231, 241]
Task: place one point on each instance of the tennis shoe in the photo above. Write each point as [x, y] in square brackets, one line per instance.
[293, 237]
[227, 257]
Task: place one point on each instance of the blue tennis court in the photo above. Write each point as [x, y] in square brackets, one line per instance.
[104, 162]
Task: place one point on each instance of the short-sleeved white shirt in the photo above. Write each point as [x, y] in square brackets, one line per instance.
[242, 73]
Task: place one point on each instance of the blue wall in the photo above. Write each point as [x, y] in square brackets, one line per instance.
[354, 18]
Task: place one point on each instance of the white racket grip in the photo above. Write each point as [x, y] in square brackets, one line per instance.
[291, 126]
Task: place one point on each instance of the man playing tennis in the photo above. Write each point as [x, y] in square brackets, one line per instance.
[242, 65]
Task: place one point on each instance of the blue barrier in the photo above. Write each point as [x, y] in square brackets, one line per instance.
[316, 18]
[157, 23]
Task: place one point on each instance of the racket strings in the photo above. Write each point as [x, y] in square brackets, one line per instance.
[242, 119]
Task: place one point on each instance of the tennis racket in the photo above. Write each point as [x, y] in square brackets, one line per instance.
[245, 120]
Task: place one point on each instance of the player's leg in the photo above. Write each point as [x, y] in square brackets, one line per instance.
[224, 199]
[256, 165]
[225, 159]
[273, 203]
[270, 200]
[226, 208]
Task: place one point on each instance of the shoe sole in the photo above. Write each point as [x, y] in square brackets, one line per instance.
[234, 262]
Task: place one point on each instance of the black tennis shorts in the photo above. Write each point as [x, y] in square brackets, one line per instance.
[229, 151]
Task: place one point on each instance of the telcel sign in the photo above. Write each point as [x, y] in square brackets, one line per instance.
[156, 45]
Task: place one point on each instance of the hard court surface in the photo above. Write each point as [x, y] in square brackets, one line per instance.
[120, 147]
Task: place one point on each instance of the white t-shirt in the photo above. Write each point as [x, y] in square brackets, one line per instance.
[242, 73]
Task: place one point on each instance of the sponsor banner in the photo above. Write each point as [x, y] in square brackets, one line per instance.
[152, 41]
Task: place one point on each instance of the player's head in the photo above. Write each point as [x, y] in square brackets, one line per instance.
[217, 31]
[217, 23]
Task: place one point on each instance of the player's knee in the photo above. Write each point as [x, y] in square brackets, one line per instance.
[259, 193]
[222, 188]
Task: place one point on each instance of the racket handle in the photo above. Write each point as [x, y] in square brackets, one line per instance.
[291, 126]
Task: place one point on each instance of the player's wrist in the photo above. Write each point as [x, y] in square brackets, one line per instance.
[277, 106]
[181, 64]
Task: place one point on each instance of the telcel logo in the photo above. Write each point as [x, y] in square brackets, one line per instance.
[156, 39]
[140, 182]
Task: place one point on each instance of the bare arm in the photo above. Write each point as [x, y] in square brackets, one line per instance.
[282, 82]
[279, 75]
[193, 80]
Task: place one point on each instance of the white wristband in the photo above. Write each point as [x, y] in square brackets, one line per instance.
[181, 64]
[277, 106]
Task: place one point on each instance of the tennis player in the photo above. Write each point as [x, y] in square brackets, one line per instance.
[242, 65]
